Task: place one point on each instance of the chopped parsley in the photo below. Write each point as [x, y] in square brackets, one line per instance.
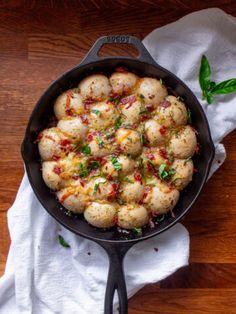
[63, 242]
[165, 174]
[95, 189]
[161, 81]
[115, 100]
[97, 112]
[138, 231]
[189, 116]
[118, 122]
[86, 150]
[116, 164]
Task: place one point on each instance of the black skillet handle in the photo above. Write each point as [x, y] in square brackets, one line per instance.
[116, 278]
[92, 55]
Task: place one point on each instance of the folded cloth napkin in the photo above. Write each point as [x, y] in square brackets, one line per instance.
[43, 277]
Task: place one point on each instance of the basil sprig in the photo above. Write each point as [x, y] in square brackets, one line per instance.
[210, 88]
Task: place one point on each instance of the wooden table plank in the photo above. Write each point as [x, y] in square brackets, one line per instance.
[40, 40]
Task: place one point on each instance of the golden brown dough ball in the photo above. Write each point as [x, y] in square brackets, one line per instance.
[183, 173]
[132, 216]
[132, 189]
[122, 82]
[160, 199]
[67, 104]
[49, 143]
[101, 215]
[173, 111]
[96, 86]
[102, 116]
[129, 141]
[183, 143]
[51, 175]
[74, 127]
[152, 90]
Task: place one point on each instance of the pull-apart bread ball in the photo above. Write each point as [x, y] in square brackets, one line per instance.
[99, 188]
[172, 111]
[132, 188]
[155, 156]
[183, 143]
[75, 202]
[118, 165]
[131, 110]
[99, 146]
[183, 173]
[102, 116]
[101, 215]
[68, 104]
[160, 199]
[152, 90]
[51, 175]
[74, 127]
[50, 143]
[129, 141]
[96, 86]
[155, 132]
[132, 216]
[123, 83]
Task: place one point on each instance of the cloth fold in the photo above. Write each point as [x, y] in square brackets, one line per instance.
[41, 276]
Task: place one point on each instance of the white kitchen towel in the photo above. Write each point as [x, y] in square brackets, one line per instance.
[41, 276]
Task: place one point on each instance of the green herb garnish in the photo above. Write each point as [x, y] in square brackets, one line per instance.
[97, 112]
[143, 112]
[63, 242]
[95, 189]
[116, 164]
[165, 174]
[161, 81]
[126, 179]
[160, 218]
[118, 122]
[179, 98]
[115, 100]
[83, 171]
[93, 164]
[138, 231]
[210, 88]
[141, 97]
[100, 141]
[86, 150]
[189, 116]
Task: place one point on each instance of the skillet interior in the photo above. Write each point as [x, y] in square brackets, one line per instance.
[44, 110]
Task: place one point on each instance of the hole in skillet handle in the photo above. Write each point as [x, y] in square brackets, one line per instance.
[93, 54]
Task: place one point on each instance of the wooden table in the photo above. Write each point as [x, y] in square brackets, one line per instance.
[39, 41]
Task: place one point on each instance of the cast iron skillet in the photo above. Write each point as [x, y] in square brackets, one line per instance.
[115, 244]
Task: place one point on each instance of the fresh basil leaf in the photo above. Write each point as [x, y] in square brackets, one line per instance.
[209, 98]
[118, 122]
[97, 112]
[138, 231]
[126, 179]
[63, 242]
[204, 75]
[225, 87]
[86, 150]
[116, 164]
[83, 171]
[100, 141]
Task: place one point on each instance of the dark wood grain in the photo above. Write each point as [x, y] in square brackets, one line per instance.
[39, 40]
